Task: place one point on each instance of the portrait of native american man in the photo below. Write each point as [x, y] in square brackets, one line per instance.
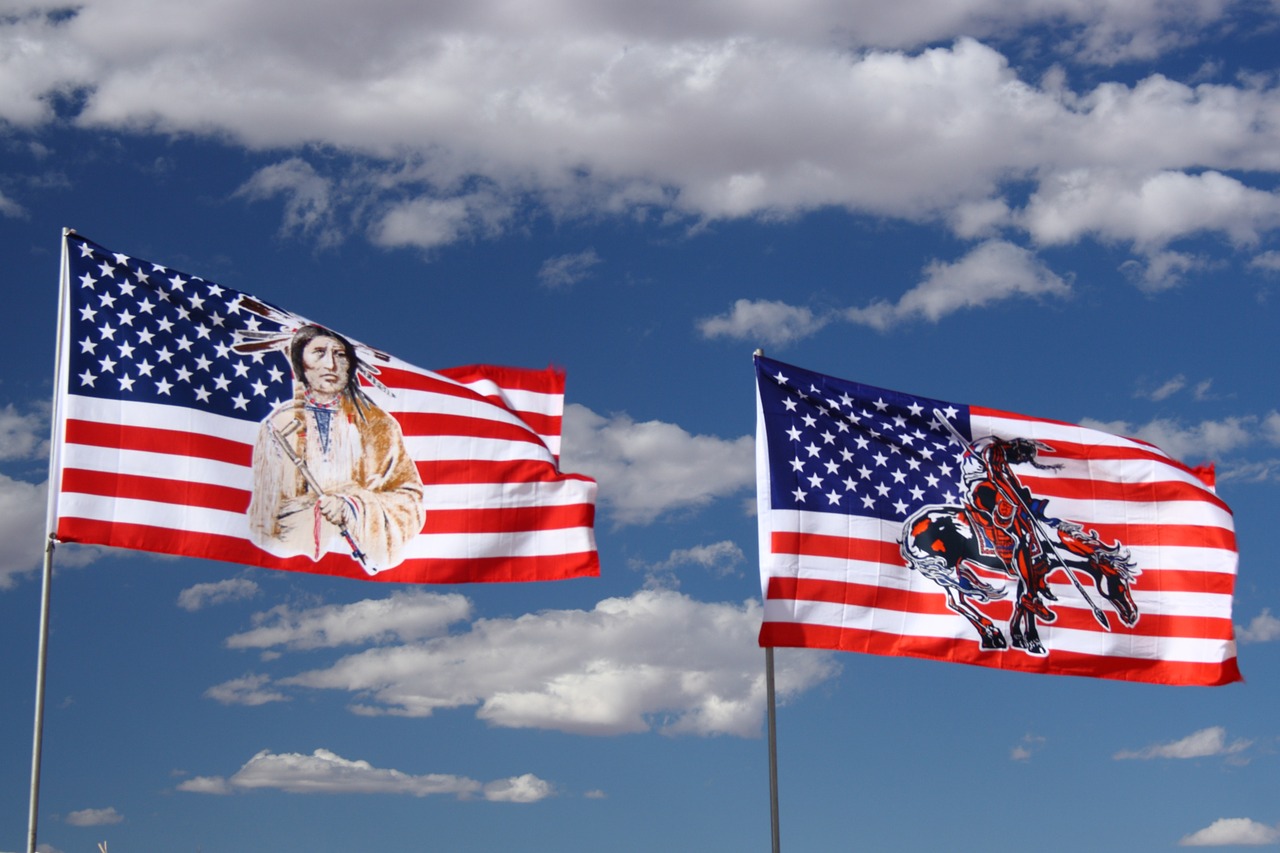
[330, 469]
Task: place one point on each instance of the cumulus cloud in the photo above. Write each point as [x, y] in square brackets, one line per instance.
[22, 519]
[652, 468]
[308, 204]
[402, 616]
[1263, 628]
[249, 690]
[1205, 743]
[1233, 831]
[564, 271]
[95, 817]
[654, 660]
[993, 271]
[463, 120]
[1190, 443]
[765, 321]
[204, 595]
[719, 558]
[325, 772]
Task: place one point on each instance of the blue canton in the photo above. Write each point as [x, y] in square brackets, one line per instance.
[841, 447]
[143, 332]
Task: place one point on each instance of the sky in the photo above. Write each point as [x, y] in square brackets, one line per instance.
[1062, 208]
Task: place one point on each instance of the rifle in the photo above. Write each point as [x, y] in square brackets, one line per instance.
[281, 437]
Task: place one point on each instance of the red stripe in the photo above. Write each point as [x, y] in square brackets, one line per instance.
[451, 472]
[969, 652]
[1082, 488]
[934, 604]
[157, 489]
[542, 423]
[230, 549]
[509, 519]
[428, 424]
[156, 440]
[873, 550]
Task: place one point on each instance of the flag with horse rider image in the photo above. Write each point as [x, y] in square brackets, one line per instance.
[197, 420]
[901, 525]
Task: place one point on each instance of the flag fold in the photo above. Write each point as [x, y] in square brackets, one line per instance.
[196, 420]
[900, 525]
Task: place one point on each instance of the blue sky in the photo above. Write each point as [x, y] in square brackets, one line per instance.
[1068, 210]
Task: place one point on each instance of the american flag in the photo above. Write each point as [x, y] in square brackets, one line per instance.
[841, 467]
[158, 406]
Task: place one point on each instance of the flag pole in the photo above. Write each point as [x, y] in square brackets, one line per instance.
[773, 749]
[51, 525]
[771, 700]
[42, 655]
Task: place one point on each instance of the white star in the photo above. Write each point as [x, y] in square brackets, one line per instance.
[813, 450]
[87, 280]
[799, 495]
[147, 306]
[831, 466]
[916, 409]
[797, 464]
[164, 354]
[87, 378]
[222, 382]
[780, 379]
[793, 434]
[87, 313]
[880, 405]
[126, 383]
[259, 389]
[275, 374]
[827, 437]
[899, 507]
[880, 459]
[88, 346]
[144, 368]
[809, 420]
[126, 350]
[107, 270]
[85, 251]
[850, 485]
[203, 362]
[815, 481]
[178, 282]
[163, 386]
[790, 404]
[107, 332]
[241, 401]
[202, 394]
[145, 336]
[882, 489]
[833, 497]
[184, 374]
[868, 501]
[121, 259]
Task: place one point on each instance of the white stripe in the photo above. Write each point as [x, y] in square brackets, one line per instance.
[156, 416]
[436, 448]
[955, 627]
[515, 495]
[217, 522]
[164, 466]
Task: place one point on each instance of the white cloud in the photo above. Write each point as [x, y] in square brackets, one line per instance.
[1233, 831]
[405, 616]
[24, 434]
[308, 206]
[1148, 209]
[205, 785]
[1189, 443]
[203, 595]
[1167, 389]
[249, 690]
[991, 272]
[764, 321]
[1269, 261]
[719, 558]
[95, 817]
[1205, 743]
[22, 522]
[564, 271]
[654, 660]
[325, 772]
[1263, 628]
[648, 469]
[467, 114]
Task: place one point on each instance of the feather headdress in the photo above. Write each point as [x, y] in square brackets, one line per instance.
[254, 340]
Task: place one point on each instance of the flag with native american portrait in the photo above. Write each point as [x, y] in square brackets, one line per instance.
[193, 419]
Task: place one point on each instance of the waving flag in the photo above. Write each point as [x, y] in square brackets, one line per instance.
[900, 525]
[196, 420]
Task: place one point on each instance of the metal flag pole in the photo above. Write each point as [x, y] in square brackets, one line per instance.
[42, 655]
[771, 699]
[51, 525]
[773, 748]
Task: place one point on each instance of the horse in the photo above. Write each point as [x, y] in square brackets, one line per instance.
[941, 543]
